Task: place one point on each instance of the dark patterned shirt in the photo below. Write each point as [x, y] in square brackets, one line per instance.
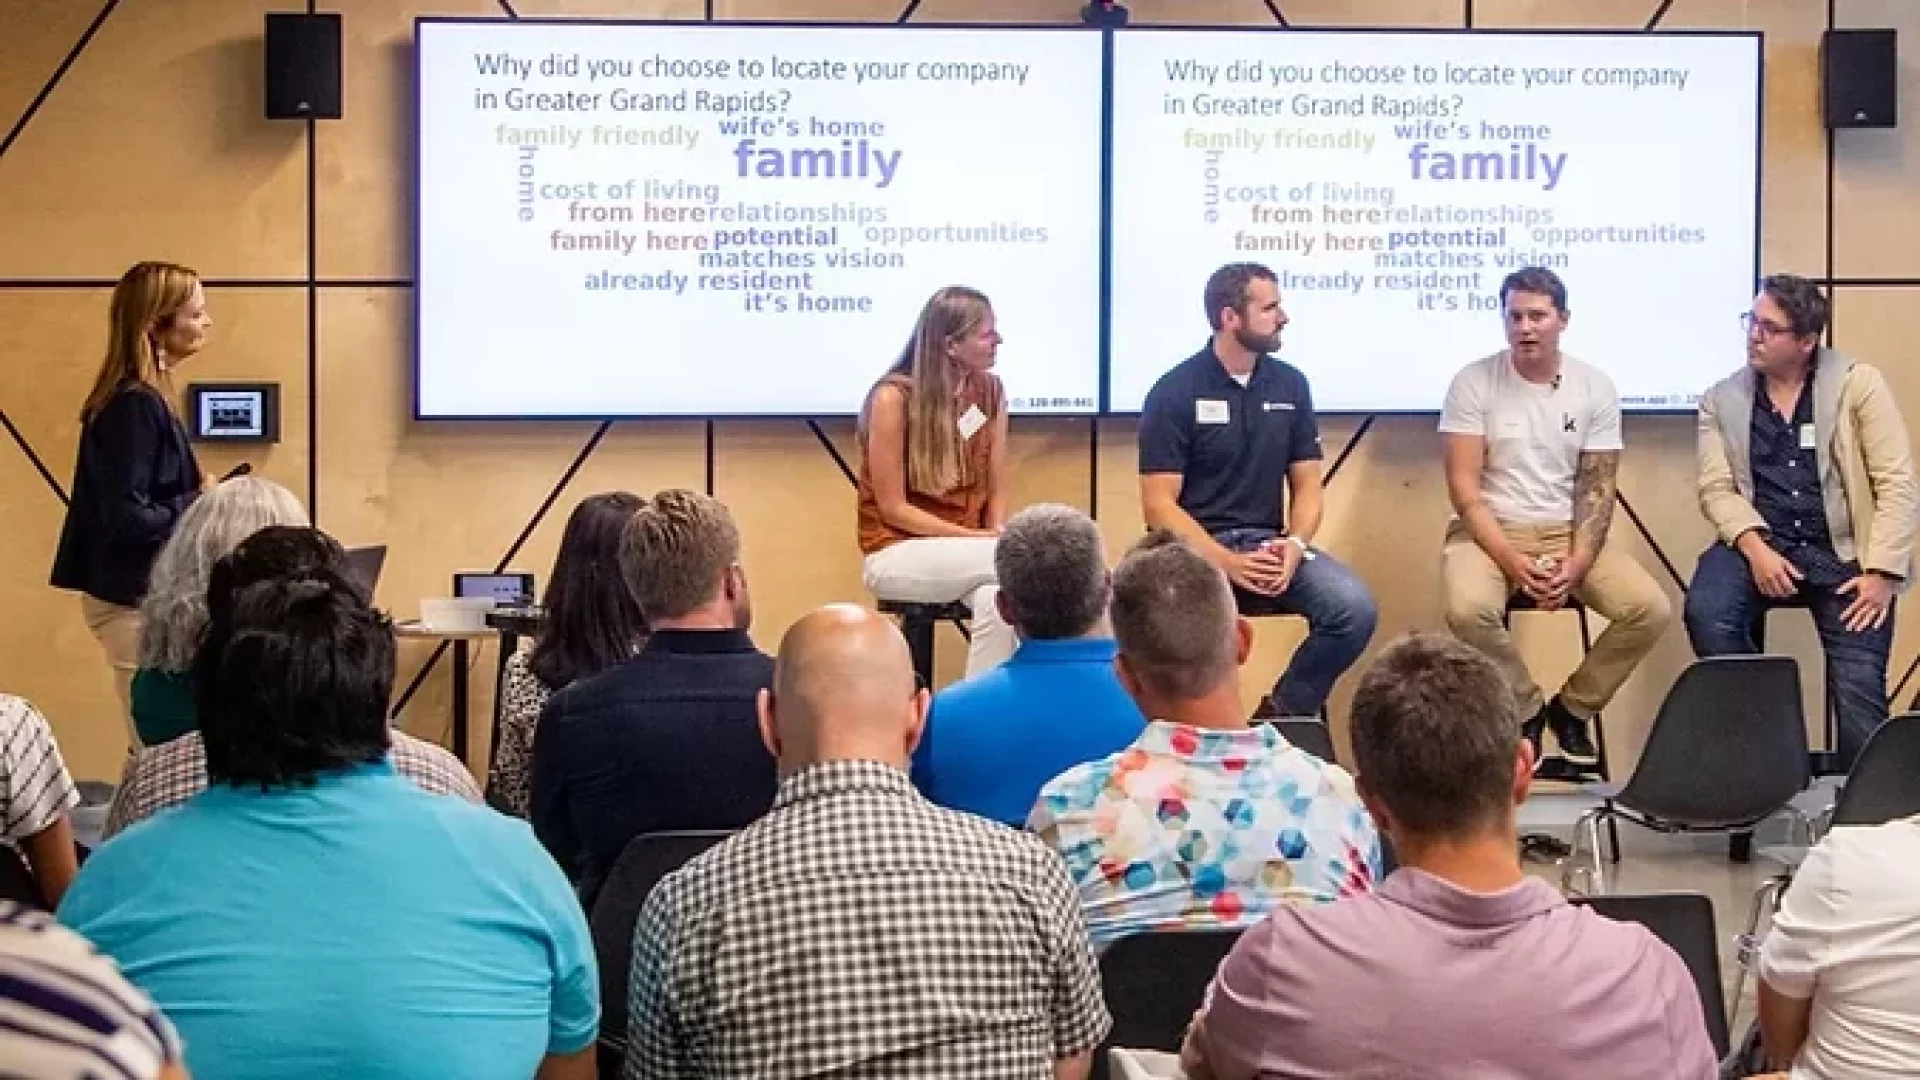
[860, 931]
[1786, 487]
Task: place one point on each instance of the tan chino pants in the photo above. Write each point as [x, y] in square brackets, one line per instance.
[118, 631]
[1616, 588]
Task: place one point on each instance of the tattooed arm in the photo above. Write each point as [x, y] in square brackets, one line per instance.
[1593, 491]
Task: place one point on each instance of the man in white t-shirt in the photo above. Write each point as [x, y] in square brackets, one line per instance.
[1840, 971]
[1532, 448]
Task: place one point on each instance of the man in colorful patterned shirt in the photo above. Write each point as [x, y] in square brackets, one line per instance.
[1203, 822]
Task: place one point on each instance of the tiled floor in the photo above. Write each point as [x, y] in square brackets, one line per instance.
[1651, 862]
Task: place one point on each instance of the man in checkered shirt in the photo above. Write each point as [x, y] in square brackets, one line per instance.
[857, 929]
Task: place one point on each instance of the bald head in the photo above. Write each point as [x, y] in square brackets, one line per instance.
[843, 688]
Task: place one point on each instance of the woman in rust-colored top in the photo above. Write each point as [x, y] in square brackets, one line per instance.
[933, 437]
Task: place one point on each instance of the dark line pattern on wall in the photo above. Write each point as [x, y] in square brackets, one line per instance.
[46, 89]
[907, 12]
[27, 449]
[1273, 6]
[13, 136]
[508, 8]
[1466, 14]
[1659, 13]
[839, 460]
[709, 471]
[313, 322]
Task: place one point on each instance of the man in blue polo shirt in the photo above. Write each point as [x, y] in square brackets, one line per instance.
[991, 742]
[1224, 438]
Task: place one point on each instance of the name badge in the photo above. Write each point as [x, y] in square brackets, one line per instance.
[1806, 436]
[971, 422]
[1211, 412]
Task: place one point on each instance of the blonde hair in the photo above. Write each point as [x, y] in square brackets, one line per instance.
[674, 551]
[147, 297]
[935, 461]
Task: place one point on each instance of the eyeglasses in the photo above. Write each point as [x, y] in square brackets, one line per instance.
[1767, 328]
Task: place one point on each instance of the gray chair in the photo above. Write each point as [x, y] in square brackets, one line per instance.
[1154, 982]
[1883, 786]
[1727, 751]
[1684, 920]
[642, 864]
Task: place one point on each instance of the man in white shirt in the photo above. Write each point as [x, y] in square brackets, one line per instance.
[1532, 449]
[1840, 971]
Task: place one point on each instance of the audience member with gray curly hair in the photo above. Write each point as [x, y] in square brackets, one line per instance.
[174, 613]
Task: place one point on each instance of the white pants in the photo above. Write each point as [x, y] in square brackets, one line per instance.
[940, 570]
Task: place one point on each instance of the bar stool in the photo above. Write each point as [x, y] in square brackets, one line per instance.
[1521, 602]
[917, 622]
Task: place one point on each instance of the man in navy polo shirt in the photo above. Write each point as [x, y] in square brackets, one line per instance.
[990, 743]
[1224, 437]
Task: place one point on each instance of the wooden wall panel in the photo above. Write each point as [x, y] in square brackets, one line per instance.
[1586, 15]
[1876, 232]
[365, 161]
[1393, 13]
[39, 34]
[155, 147]
[796, 516]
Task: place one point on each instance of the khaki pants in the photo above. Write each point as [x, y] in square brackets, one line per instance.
[118, 631]
[1616, 588]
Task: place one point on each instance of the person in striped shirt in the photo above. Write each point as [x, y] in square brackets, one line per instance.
[66, 1013]
[35, 795]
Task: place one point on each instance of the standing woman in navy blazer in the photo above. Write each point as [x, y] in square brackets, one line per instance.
[136, 471]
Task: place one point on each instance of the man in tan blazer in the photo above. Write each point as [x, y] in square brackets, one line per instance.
[1806, 475]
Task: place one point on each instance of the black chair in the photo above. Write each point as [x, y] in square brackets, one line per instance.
[1685, 922]
[1883, 786]
[641, 865]
[1727, 751]
[1309, 733]
[1153, 984]
[917, 623]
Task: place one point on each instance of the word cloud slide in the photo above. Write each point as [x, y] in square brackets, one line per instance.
[1392, 180]
[621, 219]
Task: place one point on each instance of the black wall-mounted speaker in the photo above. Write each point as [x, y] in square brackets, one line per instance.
[303, 66]
[1859, 78]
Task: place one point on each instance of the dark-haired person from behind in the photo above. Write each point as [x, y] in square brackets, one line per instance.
[168, 774]
[669, 739]
[136, 472]
[1807, 475]
[313, 913]
[592, 623]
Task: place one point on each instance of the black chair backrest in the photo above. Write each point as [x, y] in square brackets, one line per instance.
[1308, 733]
[1885, 782]
[1728, 747]
[16, 881]
[641, 865]
[1154, 982]
[1685, 922]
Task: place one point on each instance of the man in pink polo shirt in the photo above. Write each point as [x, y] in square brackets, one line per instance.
[1458, 965]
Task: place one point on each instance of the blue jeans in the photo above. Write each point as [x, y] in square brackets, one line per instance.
[1726, 614]
[1340, 613]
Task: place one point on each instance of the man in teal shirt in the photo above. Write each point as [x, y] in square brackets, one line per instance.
[313, 913]
[992, 741]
